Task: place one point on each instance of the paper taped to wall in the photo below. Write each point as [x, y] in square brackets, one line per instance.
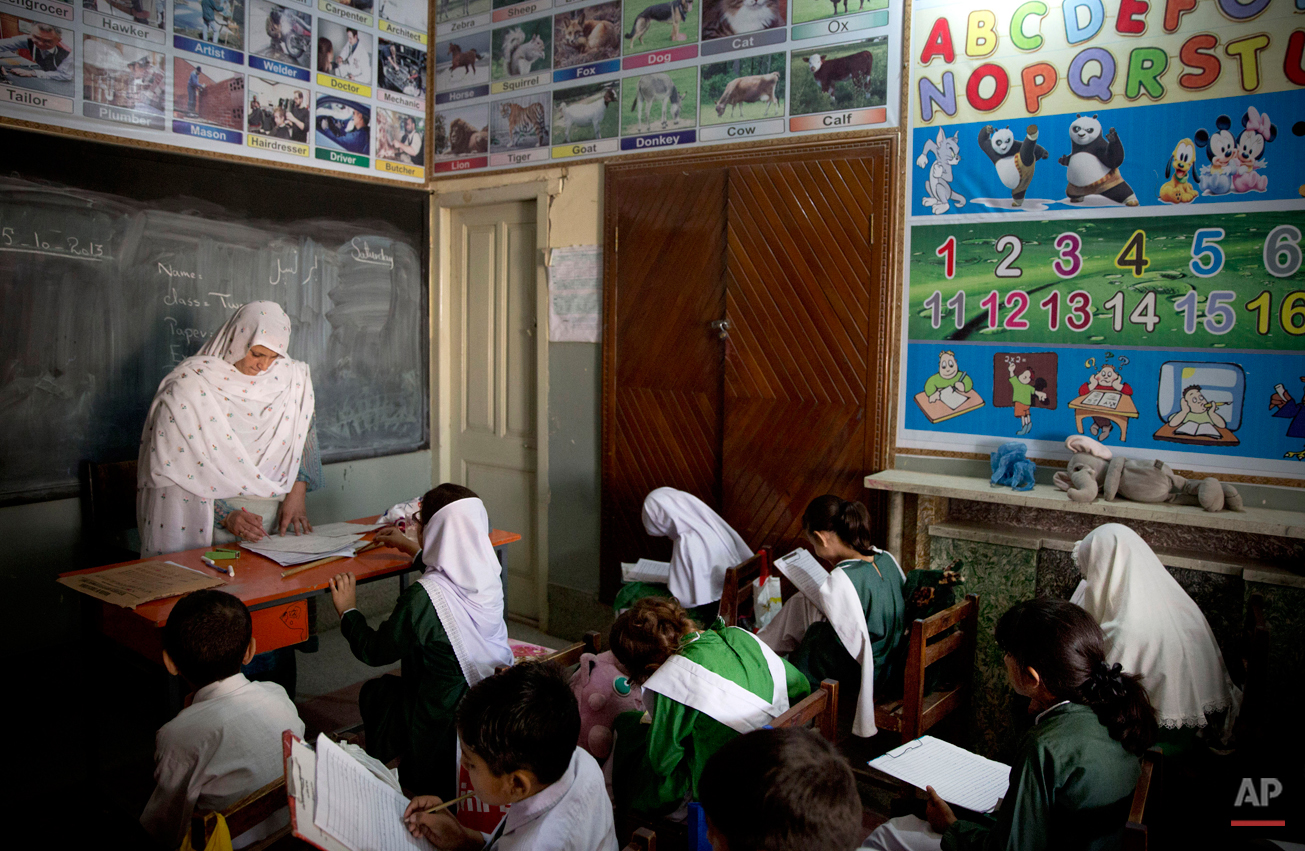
[575, 294]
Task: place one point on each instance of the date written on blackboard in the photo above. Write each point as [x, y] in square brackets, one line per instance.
[51, 245]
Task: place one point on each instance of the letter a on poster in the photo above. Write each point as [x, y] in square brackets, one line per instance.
[574, 294]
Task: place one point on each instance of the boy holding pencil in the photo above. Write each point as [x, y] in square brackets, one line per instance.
[518, 731]
[227, 743]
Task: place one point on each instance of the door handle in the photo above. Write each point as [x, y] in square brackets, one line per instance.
[722, 328]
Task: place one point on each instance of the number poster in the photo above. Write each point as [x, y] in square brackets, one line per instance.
[335, 84]
[1104, 230]
[552, 80]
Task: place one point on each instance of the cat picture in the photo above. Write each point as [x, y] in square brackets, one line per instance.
[722, 18]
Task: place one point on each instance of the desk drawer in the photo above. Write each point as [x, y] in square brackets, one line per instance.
[281, 626]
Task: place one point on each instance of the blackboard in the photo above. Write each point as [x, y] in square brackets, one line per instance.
[116, 263]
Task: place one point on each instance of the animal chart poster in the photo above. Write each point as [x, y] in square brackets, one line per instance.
[338, 85]
[1104, 230]
[540, 80]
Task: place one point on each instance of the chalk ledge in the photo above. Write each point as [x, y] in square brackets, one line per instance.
[1256, 521]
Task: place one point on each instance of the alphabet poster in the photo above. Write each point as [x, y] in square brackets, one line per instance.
[338, 85]
[1104, 230]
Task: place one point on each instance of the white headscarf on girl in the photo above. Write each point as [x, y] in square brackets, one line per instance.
[1152, 627]
[464, 582]
[705, 546]
[213, 432]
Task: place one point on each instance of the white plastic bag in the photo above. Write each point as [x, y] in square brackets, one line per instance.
[766, 600]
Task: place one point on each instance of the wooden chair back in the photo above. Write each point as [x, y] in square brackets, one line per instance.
[248, 812]
[1148, 785]
[642, 840]
[952, 631]
[109, 498]
[818, 709]
[736, 596]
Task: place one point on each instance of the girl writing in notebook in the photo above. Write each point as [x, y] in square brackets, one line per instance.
[448, 630]
[701, 687]
[1073, 776]
[851, 629]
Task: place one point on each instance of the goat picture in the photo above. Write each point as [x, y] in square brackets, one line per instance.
[583, 113]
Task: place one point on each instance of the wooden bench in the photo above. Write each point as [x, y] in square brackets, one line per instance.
[927, 645]
[567, 656]
[245, 814]
[1148, 784]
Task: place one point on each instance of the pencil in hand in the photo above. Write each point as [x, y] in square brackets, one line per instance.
[447, 804]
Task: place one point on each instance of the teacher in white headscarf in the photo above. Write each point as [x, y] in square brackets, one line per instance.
[229, 448]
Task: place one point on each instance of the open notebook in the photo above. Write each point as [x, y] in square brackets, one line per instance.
[957, 775]
[337, 804]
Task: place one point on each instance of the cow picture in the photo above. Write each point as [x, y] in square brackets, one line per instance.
[742, 90]
[839, 76]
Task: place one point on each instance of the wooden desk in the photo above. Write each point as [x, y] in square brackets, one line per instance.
[1119, 415]
[278, 606]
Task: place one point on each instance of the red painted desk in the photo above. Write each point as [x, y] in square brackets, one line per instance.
[279, 606]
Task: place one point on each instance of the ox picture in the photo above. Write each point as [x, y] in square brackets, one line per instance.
[661, 101]
[659, 24]
[461, 132]
[814, 10]
[522, 48]
[519, 123]
[583, 113]
[452, 10]
[462, 62]
[743, 89]
[582, 36]
[839, 76]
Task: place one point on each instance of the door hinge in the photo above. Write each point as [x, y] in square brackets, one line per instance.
[872, 228]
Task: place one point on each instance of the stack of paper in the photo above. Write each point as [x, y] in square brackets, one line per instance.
[646, 570]
[804, 571]
[142, 582]
[958, 776]
[356, 807]
[286, 550]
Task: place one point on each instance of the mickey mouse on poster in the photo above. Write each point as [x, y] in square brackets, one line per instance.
[1093, 163]
[1258, 132]
[1235, 161]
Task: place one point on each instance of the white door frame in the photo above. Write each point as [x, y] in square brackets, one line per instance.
[441, 369]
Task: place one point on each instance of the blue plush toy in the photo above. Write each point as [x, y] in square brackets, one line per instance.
[1010, 467]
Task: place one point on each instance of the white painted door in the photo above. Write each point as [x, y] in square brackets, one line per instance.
[492, 324]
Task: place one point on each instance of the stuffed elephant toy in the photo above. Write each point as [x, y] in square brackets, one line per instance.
[1094, 470]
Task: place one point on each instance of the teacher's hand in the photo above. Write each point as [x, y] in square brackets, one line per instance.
[245, 525]
[294, 511]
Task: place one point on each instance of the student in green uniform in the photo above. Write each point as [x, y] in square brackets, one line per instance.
[702, 688]
[448, 630]
[1072, 779]
[823, 636]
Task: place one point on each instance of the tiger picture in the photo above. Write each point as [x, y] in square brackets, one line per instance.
[519, 123]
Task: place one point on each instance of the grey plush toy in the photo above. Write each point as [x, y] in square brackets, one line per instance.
[1094, 470]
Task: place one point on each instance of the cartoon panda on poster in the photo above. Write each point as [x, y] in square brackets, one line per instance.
[1015, 161]
[1093, 163]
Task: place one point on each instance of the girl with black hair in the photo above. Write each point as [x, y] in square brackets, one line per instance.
[1073, 777]
[854, 625]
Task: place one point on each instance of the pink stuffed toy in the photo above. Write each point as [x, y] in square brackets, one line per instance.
[604, 691]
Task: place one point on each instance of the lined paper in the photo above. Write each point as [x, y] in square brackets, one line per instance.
[646, 570]
[802, 569]
[957, 775]
[357, 807]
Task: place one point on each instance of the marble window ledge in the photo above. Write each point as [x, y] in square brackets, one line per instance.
[1257, 521]
[1036, 539]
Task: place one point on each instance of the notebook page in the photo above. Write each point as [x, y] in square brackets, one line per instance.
[957, 775]
[804, 571]
[646, 570]
[357, 807]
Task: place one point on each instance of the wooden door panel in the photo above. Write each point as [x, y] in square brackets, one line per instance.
[662, 361]
[802, 280]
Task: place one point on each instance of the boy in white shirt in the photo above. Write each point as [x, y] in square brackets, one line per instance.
[227, 743]
[518, 732]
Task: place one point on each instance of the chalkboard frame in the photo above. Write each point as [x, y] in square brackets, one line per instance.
[243, 190]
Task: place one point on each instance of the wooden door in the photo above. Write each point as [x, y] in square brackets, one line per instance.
[807, 298]
[493, 401]
[662, 361]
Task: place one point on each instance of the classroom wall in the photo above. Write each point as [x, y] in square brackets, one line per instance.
[575, 369]
[45, 539]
